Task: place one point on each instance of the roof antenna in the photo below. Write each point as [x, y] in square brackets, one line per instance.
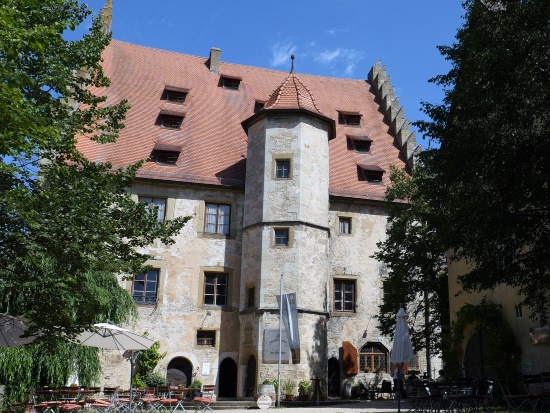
[292, 68]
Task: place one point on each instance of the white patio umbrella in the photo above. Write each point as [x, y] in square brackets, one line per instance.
[110, 336]
[11, 330]
[402, 351]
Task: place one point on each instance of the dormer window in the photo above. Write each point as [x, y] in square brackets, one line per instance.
[230, 82]
[166, 158]
[371, 173]
[170, 121]
[166, 153]
[174, 95]
[349, 118]
[360, 144]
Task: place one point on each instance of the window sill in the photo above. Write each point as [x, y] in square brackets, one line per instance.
[216, 235]
[343, 314]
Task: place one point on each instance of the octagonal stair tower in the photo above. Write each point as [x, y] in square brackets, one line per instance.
[287, 182]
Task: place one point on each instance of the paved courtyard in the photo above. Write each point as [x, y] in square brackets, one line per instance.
[375, 406]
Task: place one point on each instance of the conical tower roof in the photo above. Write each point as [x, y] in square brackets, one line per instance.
[292, 94]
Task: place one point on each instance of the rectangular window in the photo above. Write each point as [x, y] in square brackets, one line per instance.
[250, 292]
[217, 219]
[345, 225]
[283, 169]
[362, 146]
[144, 287]
[175, 96]
[519, 311]
[373, 177]
[281, 236]
[166, 158]
[344, 295]
[170, 121]
[349, 119]
[215, 289]
[206, 338]
[230, 83]
[158, 204]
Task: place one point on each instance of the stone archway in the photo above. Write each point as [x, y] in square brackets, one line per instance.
[227, 384]
[250, 377]
[179, 371]
[333, 377]
[476, 363]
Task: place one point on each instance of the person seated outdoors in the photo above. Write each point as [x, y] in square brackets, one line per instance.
[441, 378]
[413, 377]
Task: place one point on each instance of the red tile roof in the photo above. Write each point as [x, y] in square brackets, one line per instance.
[292, 94]
[213, 141]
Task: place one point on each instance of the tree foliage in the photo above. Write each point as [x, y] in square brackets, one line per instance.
[488, 181]
[68, 226]
[413, 256]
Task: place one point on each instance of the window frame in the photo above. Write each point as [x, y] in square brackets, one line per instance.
[159, 155]
[285, 170]
[153, 198]
[342, 300]
[217, 220]
[215, 293]
[277, 237]
[341, 220]
[169, 93]
[382, 352]
[350, 119]
[163, 118]
[373, 177]
[228, 83]
[358, 142]
[208, 335]
[144, 299]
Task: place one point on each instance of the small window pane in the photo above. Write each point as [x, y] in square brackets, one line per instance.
[345, 225]
[155, 203]
[215, 289]
[217, 220]
[283, 169]
[362, 146]
[344, 295]
[281, 237]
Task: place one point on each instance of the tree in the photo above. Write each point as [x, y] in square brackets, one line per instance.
[68, 226]
[416, 277]
[488, 181]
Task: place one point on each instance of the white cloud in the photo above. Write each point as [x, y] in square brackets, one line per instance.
[281, 53]
[337, 57]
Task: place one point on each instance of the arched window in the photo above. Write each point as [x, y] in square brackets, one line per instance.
[373, 356]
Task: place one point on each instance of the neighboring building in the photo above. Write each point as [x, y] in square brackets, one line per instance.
[532, 338]
[282, 174]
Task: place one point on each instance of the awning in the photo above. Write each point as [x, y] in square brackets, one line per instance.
[359, 138]
[367, 167]
[168, 147]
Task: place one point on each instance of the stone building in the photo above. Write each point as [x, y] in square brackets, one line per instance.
[282, 174]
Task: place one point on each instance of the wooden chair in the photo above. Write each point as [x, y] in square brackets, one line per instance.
[202, 402]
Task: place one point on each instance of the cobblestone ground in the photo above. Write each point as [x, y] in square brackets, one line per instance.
[385, 406]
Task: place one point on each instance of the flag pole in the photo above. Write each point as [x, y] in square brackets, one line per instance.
[280, 340]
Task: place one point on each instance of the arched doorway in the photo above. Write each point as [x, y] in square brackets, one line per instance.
[227, 385]
[475, 357]
[333, 378]
[179, 371]
[250, 378]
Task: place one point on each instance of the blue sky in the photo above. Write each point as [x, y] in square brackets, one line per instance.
[339, 38]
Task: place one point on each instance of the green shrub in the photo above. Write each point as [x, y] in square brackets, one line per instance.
[154, 379]
[197, 384]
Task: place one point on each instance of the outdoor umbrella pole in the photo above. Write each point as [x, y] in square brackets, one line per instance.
[131, 377]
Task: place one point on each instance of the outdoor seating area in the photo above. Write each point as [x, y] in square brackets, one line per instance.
[462, 396]
[162, 399]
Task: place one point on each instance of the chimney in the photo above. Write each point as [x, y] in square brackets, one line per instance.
[214, 60]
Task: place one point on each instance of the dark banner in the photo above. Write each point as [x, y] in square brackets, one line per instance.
[289, 312]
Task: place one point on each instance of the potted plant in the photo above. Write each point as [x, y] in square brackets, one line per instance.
[287, 387]
[304, 388]
[197, 385]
